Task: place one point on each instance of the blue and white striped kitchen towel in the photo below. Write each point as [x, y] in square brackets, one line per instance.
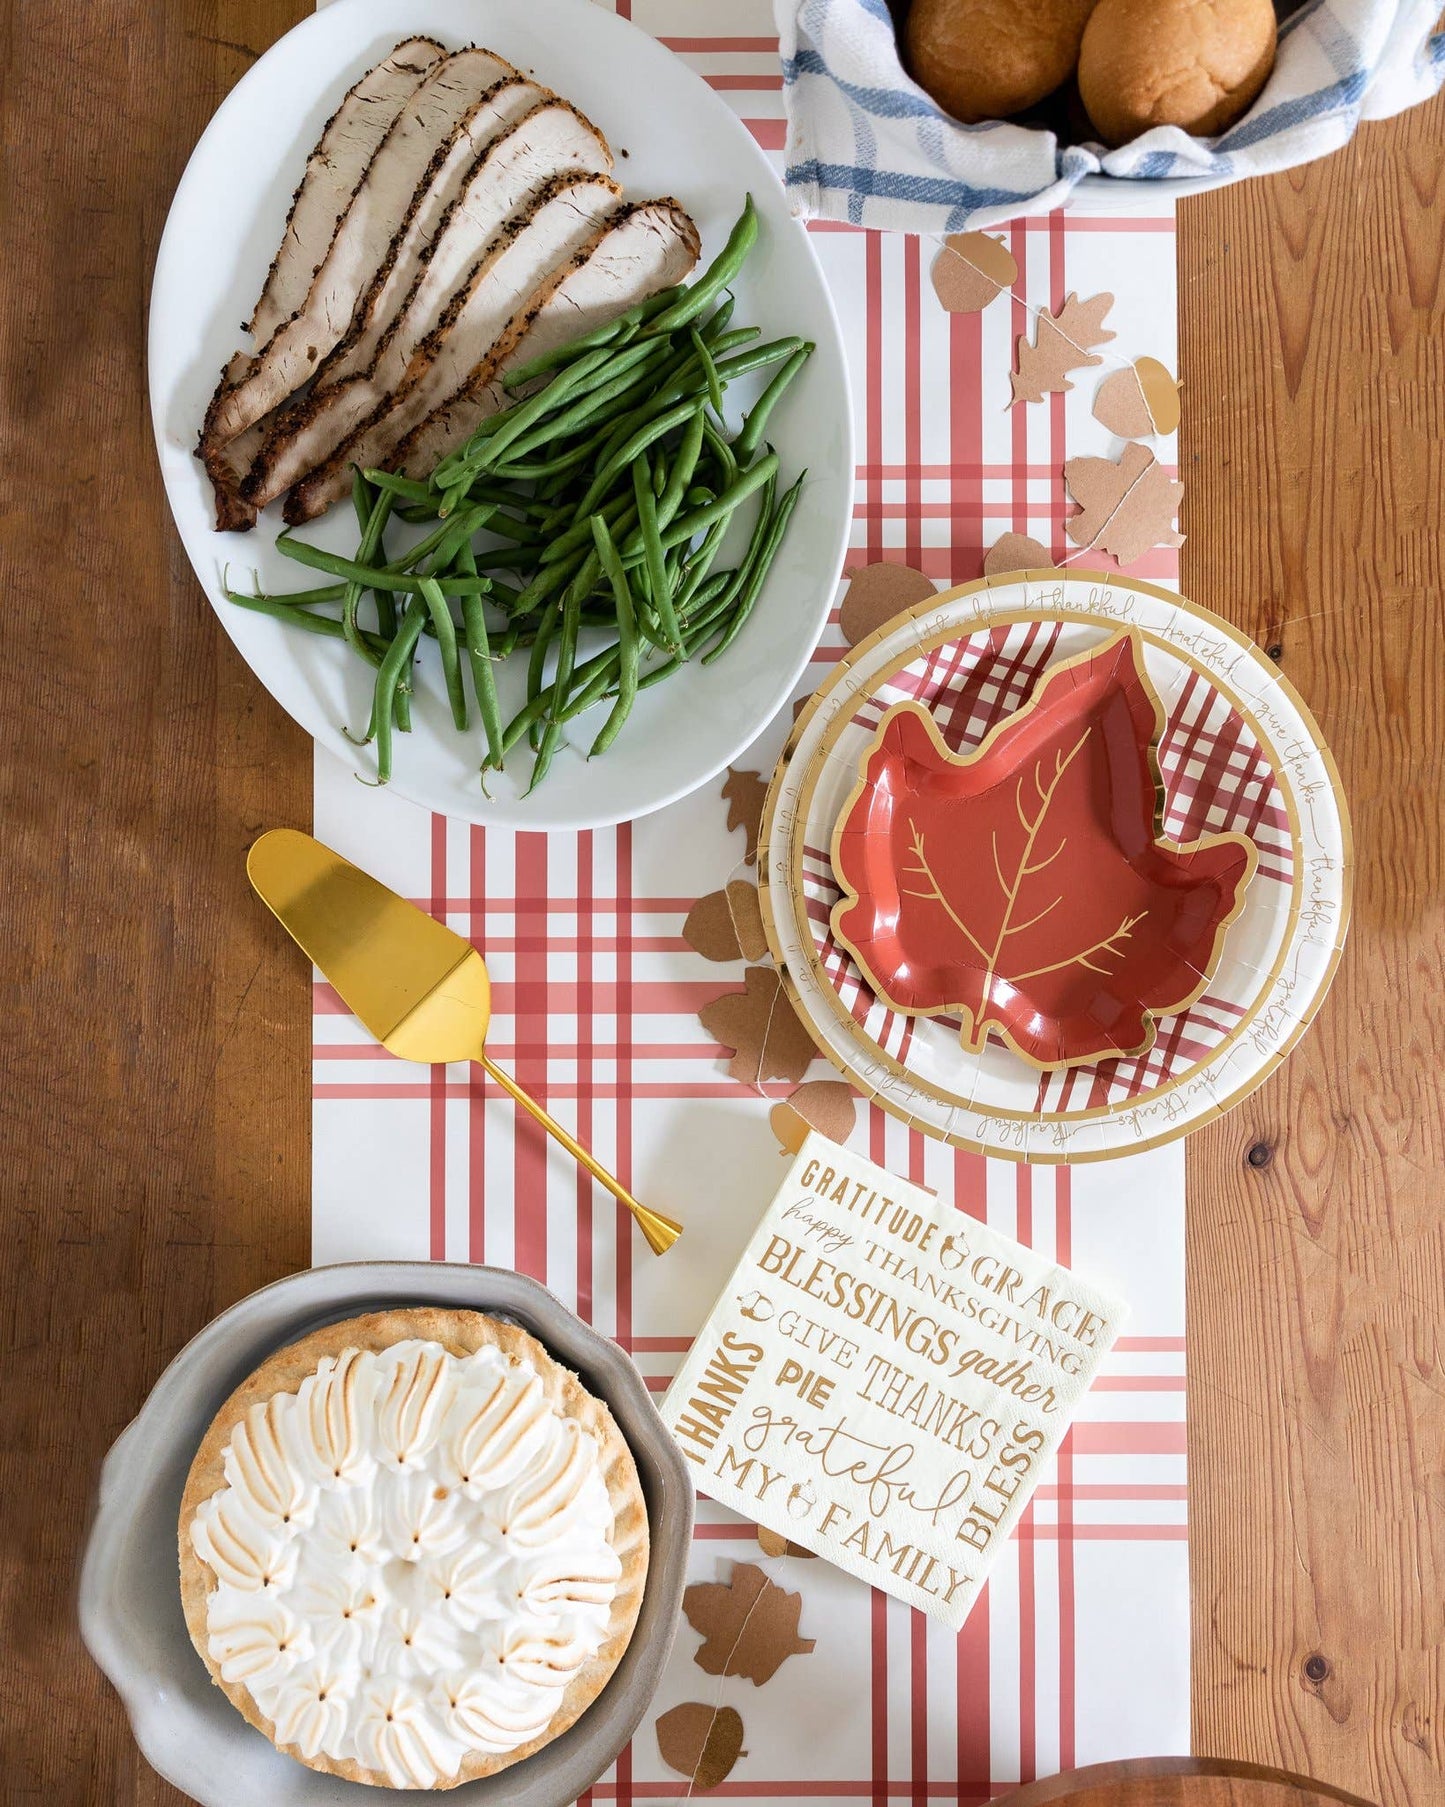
[867, 145]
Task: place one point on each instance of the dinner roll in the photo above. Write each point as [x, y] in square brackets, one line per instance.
[985, 59]
[1191, 63]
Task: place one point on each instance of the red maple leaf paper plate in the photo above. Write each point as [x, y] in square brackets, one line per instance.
[1027, 888]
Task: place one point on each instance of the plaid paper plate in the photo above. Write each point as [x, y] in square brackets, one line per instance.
[1240, 753]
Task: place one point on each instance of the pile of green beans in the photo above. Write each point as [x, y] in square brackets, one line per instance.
[596, 502]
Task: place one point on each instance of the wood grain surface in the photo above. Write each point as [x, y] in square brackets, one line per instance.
[1179, 1782]
[1312, 345]
[154, 1116]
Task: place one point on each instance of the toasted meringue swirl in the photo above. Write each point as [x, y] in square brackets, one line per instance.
[413, 1559]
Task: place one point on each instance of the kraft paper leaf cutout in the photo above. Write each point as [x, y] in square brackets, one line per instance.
[762, 1028]
[1025, 888]
[1063, 341]
[727, 924]
[1124, 508]
[876, 593]
[1016, 552]
[749, 1624]
[1139, 402]
[971, 270]
[823, 1104]
[701, 1742]
[771, 1544]
[746, 794]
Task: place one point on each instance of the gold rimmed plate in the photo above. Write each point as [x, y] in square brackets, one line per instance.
[1237, 755]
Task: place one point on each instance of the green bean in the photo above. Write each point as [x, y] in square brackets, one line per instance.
[714, 280]
[375, 518]
[600, 335]
[446, 632]
[748, 441]
[530, 712]
[398, 655]
[716, 323]
[777, 527]
[300, 617]
[538, 661]
[369, 576]
[298, 599]
[659, 590]
[402, 486]
[546, 747]
[709, 369]
[628, 652]
[605, 359]
[683, 467]
[479, 655]
[561, 466]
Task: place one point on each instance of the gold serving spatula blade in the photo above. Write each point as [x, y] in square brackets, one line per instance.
[420, 989]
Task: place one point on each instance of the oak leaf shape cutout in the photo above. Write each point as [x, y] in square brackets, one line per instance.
[749, 1624]
[1063, 341]
[879, 592]
[1125, 509]
[761, 1026]
[727, 924]
[1024, 888]
[701, 1742]
[746, 793]
[823, 1104]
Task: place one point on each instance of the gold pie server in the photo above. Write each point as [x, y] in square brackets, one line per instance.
[420, 989]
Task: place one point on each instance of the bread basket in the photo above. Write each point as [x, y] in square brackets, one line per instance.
[867, 145]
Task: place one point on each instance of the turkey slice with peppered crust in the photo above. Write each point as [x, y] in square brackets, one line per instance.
[368, 233]
[551, 140]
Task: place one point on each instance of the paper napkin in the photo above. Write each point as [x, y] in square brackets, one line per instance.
[884, 1379]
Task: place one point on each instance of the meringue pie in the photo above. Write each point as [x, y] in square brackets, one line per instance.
[412, 1548]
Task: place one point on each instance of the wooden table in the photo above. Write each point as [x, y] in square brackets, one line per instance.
[154, 1124]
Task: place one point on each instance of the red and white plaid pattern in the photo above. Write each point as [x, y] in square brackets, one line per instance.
[1217, 779]
[1078, 1650]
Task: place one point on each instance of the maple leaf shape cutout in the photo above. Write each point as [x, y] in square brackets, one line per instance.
[746, 793]
[749, 1624]
[761, 1026]
[1125, 509]
[1025, 888]
[1063, 342]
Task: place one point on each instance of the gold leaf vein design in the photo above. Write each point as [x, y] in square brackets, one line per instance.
[1026, 868]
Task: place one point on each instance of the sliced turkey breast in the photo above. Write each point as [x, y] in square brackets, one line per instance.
[553, 139]
[496, 113]
[371, 227]
[648, 247]
[482, 323]
[347, 144]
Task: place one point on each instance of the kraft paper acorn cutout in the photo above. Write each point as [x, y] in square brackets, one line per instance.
[1027, 888]
[971, 270]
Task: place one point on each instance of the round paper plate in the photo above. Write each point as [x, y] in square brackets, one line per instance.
[672, 136]
[1240, 753]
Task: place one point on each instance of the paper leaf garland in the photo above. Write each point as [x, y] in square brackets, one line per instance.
[1023, 888]
[971, 270]
[761, 1027]
[727, 924]
[1062, 342]
[1124, 508]
[1016, 552]
[748, 1623]
[1138, 402]
[876, 593]
[746, 794]
[701, 1742]
[823, 1104]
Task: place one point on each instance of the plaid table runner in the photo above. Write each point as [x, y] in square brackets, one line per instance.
[1078, 1650]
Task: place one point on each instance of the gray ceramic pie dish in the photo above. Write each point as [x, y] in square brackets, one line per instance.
[130, 1604]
